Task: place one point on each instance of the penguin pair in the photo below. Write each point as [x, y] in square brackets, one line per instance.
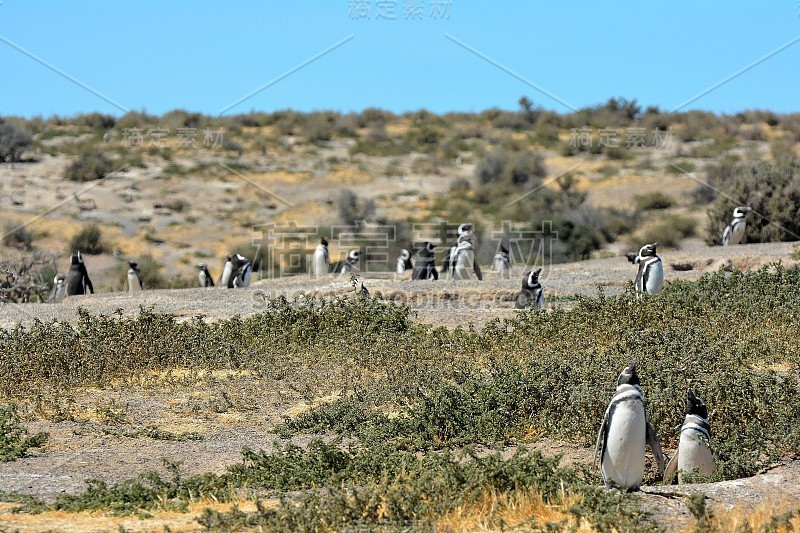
[626, 430]
[462, 259]
[502, 261]
[532, 293]
[404, 262]
[650, 277]
[735, 231]
[350, 265]
[463, 233]
[321, 264]
[236, 273]
[77, 280]
[425, 265]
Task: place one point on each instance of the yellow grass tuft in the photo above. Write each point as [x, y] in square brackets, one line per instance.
[500, 511]
[758, 518]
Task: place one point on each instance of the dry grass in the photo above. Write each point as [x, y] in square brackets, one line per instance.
[497, 511]
[85, 522]
[759, 518]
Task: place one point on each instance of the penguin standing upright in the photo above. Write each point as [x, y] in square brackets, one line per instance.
[651, 271]
[694, 451]
[532, 293]
[623, 435]
[735, 231]
[225, 277]
[463, 262]
[424, 266]
[205, 276]
[321, 264]
[450, 254]
[59, 289]
[240, 272]
[404, 262]
[502, 261]
[134, 277]
[78, 278]
[350, 264]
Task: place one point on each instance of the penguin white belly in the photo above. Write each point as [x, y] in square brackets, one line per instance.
[539, 298]
[401, 266]
[694, 454]
[226, 275]
[623, 458]
[61, 292]
[655, 278]
[737, 232]
[133, 282]
[464, 266]
[320, 263]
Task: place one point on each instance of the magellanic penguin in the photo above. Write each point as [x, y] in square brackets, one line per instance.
[502, 262]
[623, 434]
[404, 262]
[424, 266]
[350, 264]
[450, 255]
[464, 262]
[532, 293]
[78, 278]
[134, 277]
[651, 271]
[735, 232]
[225, 277]
[694, 448]
[204, 276]
[240, 272]
[321, 264]
[59, 289]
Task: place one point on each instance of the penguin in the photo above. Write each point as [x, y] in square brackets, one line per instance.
[404, 262]
[651, 271]
[225, 277]
[205, 276]
[463, 261]
[502, 262]
[623, 435]
[532, 293]
[694, 451]
[240, 272]
[350, 264]
[77, 277]
[134, 277]
[59, 289]
[424, 267]
[735, 232]
[321, 264]
[450, 254]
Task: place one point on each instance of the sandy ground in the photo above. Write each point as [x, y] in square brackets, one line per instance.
[90, 447]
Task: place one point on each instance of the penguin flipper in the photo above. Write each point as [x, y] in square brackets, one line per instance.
[89, 284]
[655, 445]
[598, 449]
[671, 470]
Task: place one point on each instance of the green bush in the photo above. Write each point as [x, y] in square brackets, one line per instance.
[89, 167]
[88, 241]
[17, 236]
[13, 141]
[655, 200]
[772, 189]
[14, 440]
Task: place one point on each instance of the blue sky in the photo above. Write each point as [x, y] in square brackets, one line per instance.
[204, 56]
